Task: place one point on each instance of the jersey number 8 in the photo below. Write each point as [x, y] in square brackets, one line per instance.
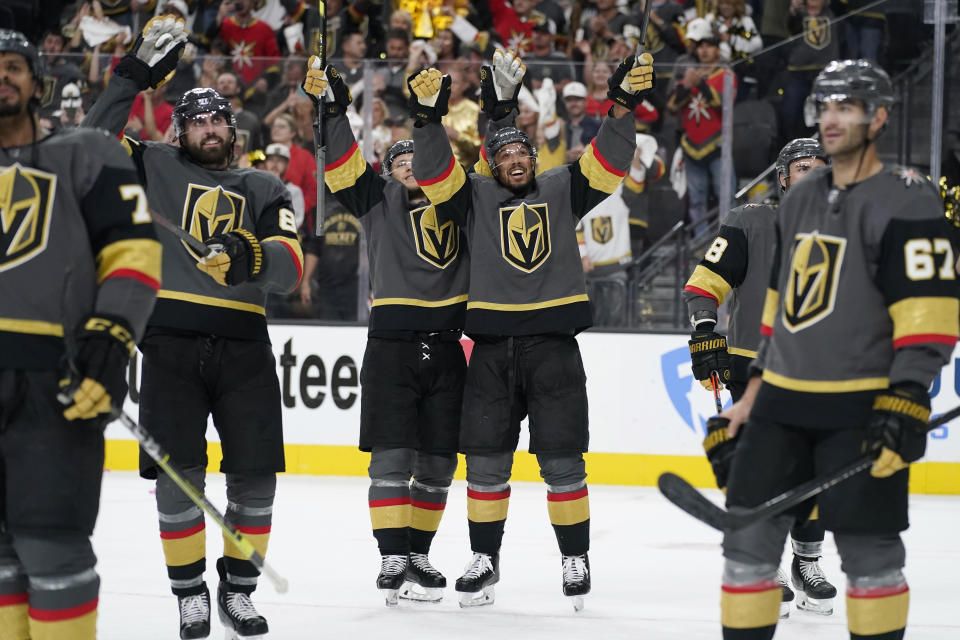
[716, 250]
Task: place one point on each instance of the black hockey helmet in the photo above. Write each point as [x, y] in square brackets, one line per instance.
[502, 138]
[796, 149]
[197, 101]
[396, 150]
[15, 42]
[859, 80]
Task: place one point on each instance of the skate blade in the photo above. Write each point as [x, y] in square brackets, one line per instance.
[477, 598]
[784, 610]
[820, 607]
[391, 596]
[577, 602]
[231, 634]
[413, 591]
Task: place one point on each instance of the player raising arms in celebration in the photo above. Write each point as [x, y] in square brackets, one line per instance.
[527, 302]
[206, 349]
[861, 315]
[79, 271]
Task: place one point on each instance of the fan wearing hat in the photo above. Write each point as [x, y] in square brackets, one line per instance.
[277, 161]
[580, 127]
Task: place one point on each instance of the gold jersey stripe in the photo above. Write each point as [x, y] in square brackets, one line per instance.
[425, 519]
[290, 242]
[140, 255]
[567, 512]
[258, 540]
[750, 610]
[35, 327]
[179, 552]
[876, 616]
[211, 301]
[595, 168]
[825, 386]
[393, 517]
[925, 316]
[746, 353]
[487, 510]
[706, 280]
[13, 619]
[414, 302]
[84, 626]
[498, 306]
[345, 171]
[771, 303]
[442, 188]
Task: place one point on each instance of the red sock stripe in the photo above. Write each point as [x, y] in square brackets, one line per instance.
[756, 587]
[878, 592]
[14, 599]
[483, 495]
[253, 531]
[389, 502]
[58, 615]
[432, 506]
[186, 533]
[563, 497]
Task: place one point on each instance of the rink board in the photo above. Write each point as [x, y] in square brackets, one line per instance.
[647, 413]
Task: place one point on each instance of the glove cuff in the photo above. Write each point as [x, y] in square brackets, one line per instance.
[502, 109]
[623, 98]
[104, 325]
[135, 69]
[255, 250]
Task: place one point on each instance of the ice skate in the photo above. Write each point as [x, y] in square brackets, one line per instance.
[476, 584]
[195, 615]
[238, 615]
[422, 582]
[814, 592]
[393, 569]
[576, 579]
[787, 596]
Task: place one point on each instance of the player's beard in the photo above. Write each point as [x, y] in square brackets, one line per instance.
[213, 157]
[11, 106]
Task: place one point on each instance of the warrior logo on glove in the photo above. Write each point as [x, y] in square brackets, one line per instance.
[708, 353]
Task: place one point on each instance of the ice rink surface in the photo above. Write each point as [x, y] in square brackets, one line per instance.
[656, 571]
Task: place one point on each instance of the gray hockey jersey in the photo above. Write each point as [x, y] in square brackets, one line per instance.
[76, 238]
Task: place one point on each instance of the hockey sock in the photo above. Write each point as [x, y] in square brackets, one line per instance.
[877, 611]
[569, 509]
[426, 506]
[390, 515]
[13, 601]
[750, 611]
[182, 533]
[64, 607]
[487, 515]
[250, 511]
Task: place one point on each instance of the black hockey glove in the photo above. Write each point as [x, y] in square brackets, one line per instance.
[154, 56]
[632, 80]
[96, 381]
[897, 430]
[429, 94]
[708, 353]
[719, 447]
[239, 258]
[326, 85]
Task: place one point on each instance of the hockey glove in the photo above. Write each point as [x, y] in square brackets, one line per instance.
[708, 352]
[429, 94]
[897, 430]
[500, 84]
[239, 258]
[328, 86]
[546, 97]
[719, 447]
[632, 80]
[154, 56]
[96, 381]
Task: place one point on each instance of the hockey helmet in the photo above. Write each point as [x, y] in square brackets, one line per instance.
[197, 101]
[396, 150]
[502, 138]
[15, 42]
[795, 150]
[859, 80]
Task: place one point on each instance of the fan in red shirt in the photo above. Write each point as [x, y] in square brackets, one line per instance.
[252, 43]
[302, 170]
[598, 104]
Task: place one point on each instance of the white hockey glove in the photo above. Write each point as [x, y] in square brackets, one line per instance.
[500, 84]
[546, 97]
[153, 58]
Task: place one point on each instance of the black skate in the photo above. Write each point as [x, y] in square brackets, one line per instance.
[422, 582]
[240, 619]
[195, 615]
[476, 584]
[787, 595]
[814, 593]
[576, 579]
[393, 570]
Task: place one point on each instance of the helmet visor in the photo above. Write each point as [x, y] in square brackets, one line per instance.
[840, 106]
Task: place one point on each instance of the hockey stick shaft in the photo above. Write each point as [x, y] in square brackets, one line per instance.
[321, 148]
[715, 382]
[192, 242]
[641, 46]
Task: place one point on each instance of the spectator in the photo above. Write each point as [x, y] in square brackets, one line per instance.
[446, 46]
[282, 98]
[60, 68]
[460, 123]
[513, 23]
[580, 127]
[150, 115]
[664, 38]
[354, 50]
[598, 104]
[739, 40]
[393, 71]
[249, 129]
[301, 29]
[213, 64]
[544, 61]
[808, 56]
[864, 30]
[380, 131]
[360, 16]
[251, 42]
[698, 99]
[330, 287]
[276, 162]
[607, 22]
[302, 170]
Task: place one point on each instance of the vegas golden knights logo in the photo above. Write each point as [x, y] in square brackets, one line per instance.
[525, 235]
[654, 41]
[26, 202]
[211, 211]
[813, 279]
[817, 32]
[601, 228]
[436, 243]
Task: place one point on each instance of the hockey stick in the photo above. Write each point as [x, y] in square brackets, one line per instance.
[204, 250]
[684, 495]
[641, 46]
[321, 153]
[715, 382]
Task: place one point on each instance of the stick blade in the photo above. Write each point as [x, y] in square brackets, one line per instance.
[685, 496]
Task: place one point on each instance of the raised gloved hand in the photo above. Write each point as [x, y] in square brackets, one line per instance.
[154, 56]
[708, 353]
[632, 80]
[326, 87]
[897, 430]
[546, 97]
[238, 258]
[429, 94]
[96, 381]
[719, 447]
[500, 84]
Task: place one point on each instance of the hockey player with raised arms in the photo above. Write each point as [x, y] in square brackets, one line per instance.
[860, 316]
[527, 301]
[207, 350]
[79, 273]
[737, 264]
[413, 367]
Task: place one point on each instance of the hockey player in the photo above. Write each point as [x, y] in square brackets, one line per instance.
[206, 349]
[413, 367]
[79, 272]
[527, 302]
[860, 317]
[738, 264]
